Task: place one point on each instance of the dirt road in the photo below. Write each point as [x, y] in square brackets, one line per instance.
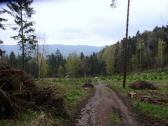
[98, 111]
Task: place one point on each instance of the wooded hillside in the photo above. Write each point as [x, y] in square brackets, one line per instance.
[147, 50]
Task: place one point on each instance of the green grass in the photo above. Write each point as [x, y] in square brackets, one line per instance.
[73, 92]
[160, 79]
[152, 110]
[70, 89]
[115, 119]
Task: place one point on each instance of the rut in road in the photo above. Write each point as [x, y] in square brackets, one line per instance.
[98, 110]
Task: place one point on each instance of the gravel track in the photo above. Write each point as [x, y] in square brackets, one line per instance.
[98, 110]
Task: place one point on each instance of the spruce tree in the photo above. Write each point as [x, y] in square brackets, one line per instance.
[2, 27]
[22, 12]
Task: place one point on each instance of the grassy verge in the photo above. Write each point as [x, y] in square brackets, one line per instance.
[152, 110]
[160, 79]
[72, 91]
[69, 89]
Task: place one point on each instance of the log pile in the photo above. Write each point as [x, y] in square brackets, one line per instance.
[153, 98]
[18, 93]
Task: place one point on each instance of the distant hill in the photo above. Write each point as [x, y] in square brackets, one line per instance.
[64, 49]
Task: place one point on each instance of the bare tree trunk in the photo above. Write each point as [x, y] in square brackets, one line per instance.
[125, 46]
[23, 48]
[38, 60]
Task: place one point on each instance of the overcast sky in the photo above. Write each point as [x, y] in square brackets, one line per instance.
[93, 22]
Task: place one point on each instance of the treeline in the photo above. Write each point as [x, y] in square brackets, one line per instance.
[55, 65]
[146, 51]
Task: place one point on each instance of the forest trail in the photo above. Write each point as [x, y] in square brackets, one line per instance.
[98, 111]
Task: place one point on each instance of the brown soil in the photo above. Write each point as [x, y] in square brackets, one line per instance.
[98, 110]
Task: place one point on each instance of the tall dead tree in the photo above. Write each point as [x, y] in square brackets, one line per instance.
[125, 44]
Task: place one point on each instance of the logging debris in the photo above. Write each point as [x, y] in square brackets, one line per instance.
[18, 93]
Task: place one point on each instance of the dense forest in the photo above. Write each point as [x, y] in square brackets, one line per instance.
[146, 51]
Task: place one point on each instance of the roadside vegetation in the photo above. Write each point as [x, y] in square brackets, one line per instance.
[150, 105]
[45, 102]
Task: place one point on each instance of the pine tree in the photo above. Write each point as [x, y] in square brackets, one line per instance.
[2, 20]
[2, 28]
[22, 12]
